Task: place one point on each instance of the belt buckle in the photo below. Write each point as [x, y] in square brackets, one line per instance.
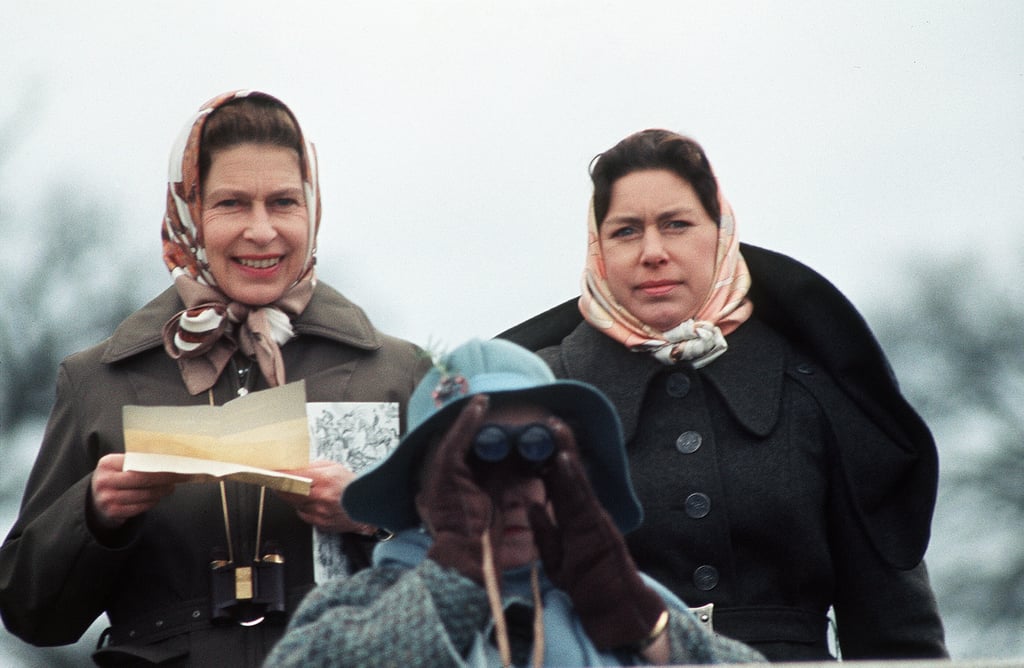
[705, 615]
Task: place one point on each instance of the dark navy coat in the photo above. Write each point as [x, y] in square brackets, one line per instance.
[786, 477]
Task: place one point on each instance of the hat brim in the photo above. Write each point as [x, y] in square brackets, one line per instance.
[384, 496]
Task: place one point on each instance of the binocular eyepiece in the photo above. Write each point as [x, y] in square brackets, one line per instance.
[494, 443]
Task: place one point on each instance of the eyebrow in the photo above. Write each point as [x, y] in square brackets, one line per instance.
[677, 212]
[661, 217]
[233, 190]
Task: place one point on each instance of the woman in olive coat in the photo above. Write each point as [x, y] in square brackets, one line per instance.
[246, 313]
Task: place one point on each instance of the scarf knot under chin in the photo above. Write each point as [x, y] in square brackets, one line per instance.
[204, 336]
[700, 341]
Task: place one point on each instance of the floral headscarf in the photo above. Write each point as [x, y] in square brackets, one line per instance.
[700, 339]
[205, 335]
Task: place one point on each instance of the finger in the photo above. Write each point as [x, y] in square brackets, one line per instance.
[565, 437]
[123, 505]
[566, 469]
[451, 454]
[134, 480]
[111, 462]
[147, 495]
[566, 481]
[546, 537]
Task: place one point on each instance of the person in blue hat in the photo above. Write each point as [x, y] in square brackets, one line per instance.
[508, 498]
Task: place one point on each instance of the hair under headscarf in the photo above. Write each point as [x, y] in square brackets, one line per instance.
[700, 339]
[204, 336]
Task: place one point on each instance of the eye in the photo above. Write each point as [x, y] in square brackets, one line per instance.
[285, 202]
[225, 203]
[622, 232]
[678, 224]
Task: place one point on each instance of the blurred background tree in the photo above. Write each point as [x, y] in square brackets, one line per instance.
[954, 340]
[73, 291]
[68, 283]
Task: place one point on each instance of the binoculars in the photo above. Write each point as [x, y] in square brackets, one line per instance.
[534, 443]
[248, 595]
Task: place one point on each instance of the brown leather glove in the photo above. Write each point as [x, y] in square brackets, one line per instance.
[456, 510]
[585, 555]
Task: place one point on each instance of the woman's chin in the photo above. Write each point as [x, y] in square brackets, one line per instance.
[517, 551]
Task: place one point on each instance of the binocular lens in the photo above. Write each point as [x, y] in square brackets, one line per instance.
[491, 444]
[534, 442]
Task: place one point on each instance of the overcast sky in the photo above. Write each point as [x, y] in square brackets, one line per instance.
[454, 136]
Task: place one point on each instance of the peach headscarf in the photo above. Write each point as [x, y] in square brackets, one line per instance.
[701, 339]
[204, 336]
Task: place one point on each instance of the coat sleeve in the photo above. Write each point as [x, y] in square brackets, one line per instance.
[385, 616]
[54, 573]
[884, 607]
[881, 611]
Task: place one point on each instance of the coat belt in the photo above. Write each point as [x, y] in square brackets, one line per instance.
[771, 624]
[170, 621]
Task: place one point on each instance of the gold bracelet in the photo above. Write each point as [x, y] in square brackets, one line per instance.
[659, 628]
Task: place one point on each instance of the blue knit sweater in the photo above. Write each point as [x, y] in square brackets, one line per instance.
[409, 611]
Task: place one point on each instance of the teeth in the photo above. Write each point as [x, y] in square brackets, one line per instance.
[259, 264]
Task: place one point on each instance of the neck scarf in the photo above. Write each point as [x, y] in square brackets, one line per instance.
[701, 339]
[204, 336]
[567, 644]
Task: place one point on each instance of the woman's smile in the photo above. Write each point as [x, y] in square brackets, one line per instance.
[260, 263]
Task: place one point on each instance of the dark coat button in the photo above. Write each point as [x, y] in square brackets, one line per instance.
[805, 368]
[677, 385]
[705, 577]
[698, 505]
[688, 442]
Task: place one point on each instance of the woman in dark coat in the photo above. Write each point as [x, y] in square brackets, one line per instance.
[246, 313]
[781, 471]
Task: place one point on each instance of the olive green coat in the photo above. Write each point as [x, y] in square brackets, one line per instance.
[152, 579]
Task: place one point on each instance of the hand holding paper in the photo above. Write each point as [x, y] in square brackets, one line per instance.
[322, 507]
[119, 495]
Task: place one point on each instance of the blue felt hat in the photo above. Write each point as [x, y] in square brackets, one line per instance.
[384, 495]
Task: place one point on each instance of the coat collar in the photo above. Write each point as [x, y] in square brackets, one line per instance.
[749, 376]
[329, 315]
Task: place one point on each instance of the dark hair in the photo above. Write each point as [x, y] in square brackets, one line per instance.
[247, 120]
[654, 149]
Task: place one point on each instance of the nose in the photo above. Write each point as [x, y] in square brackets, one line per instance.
[261, 228]
[652, 251]
[512, 496]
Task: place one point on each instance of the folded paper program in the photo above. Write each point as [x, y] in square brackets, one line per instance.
[251, 439]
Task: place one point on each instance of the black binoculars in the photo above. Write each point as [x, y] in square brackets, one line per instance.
[494, 442]
[248, 595]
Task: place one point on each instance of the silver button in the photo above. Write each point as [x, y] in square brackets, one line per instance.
[698, 505]
[705, 577]
[688, 442]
